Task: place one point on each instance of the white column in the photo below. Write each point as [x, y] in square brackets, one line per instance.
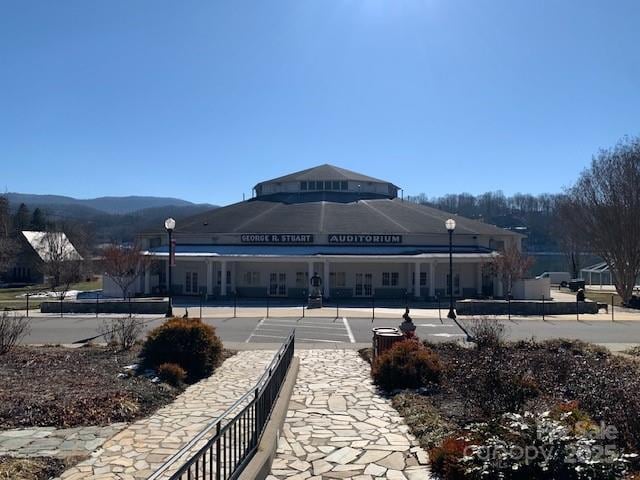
[325, 280]
[233, 277]
[409, 287]
[223, 278]
[209, 277]
[432, 279]
[147, 280]
[416, 280]
[309, 275]
[479, 279]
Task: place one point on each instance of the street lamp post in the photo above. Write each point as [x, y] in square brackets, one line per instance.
[451, 226]
[170, 225]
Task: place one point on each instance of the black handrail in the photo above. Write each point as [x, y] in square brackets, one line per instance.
[233, 444]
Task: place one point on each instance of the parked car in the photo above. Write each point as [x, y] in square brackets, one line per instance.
[557, 278]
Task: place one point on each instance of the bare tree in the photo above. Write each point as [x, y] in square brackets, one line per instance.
[510, 265]
[603, 208]
[13, 328]
[124, 265]
[123, 332]
[61, 262]
[8, 252]
[571, 243]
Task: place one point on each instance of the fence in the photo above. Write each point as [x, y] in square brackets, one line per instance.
[235, 442]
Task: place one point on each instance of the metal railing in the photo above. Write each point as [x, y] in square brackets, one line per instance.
[234, 440]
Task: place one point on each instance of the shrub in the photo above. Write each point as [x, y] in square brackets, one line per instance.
[188, 342]
[486, 332]
[122, 333]
[521, 447]
[172, 373]
[407, 364]
[445, 459]
[494, 385]
[13, 328]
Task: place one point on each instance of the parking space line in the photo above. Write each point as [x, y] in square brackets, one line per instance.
[301, 325]
[267, 336]
[446, 334]
[349, 332]
[254, 330]
[267, 328]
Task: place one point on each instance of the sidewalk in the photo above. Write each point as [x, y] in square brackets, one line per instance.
[137, 451]
[337, 426]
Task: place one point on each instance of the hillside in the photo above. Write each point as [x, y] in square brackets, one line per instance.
[112, 205]
[107, 219]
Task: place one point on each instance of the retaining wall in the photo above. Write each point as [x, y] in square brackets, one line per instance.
[140, 306]
[523, 307]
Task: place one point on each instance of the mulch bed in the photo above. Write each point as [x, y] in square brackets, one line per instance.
[478, 384]
[62, 387]
[36, 468]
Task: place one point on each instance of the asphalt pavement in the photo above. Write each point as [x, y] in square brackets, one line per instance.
[343, 331]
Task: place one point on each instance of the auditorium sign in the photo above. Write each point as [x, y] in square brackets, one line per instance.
[364, 239]
[280, 238]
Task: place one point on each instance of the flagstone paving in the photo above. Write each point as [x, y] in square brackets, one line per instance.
[137, 451]
[55, 442]
[338, 427]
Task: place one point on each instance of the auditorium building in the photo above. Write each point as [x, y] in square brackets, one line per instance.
[350, 229]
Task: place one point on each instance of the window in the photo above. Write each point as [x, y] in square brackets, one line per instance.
[423, 279]
[303, 185]
[302, 279]
[336, 185]
[312, 185]
[327, 185]
[251, 278]
[344, 185]
[390, 279]
[191, 282]
[338, 279]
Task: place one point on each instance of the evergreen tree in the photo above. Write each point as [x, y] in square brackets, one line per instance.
[22, 218]
[5, 217]
[38, 221]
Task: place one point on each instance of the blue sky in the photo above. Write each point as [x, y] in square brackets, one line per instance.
[203, 99]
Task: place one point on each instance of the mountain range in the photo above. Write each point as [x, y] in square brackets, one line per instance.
[111, 205]
[109, 219]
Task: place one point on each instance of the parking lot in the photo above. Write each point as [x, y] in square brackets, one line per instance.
[350, 329]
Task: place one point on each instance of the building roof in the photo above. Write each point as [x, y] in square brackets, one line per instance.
[435, 251]
[382, 215]
[324, 172]
[46, 249]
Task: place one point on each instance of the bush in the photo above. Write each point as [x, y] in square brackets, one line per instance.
[172, 373]
[494, 385]
[486, 332]
[190, 343]
[13, 328]
[521, 447]
[445, 459]
[407, 364]
[122, 333]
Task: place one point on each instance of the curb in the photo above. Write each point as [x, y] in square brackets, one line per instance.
[260, 465]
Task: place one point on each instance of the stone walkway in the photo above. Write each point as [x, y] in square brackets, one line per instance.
[137, 451]
[52, 442]
[338, 427]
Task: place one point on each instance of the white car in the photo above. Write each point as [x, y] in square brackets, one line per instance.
[557, 278]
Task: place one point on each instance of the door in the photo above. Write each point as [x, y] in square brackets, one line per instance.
[278, 284]
[364, 282]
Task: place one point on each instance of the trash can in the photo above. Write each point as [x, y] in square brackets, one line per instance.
[387, 339]
[378, 330]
